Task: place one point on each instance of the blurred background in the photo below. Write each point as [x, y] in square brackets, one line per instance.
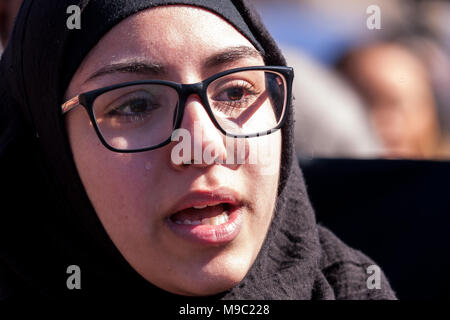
[372, 109]
[367, 93]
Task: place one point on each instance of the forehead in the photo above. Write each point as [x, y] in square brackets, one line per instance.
[176, 36]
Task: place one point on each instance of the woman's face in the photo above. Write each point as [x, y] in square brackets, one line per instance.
[136, 195]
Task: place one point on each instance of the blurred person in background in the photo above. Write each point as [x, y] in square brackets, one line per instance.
[431, 50]
[8, 11]
[325, 32]
[330, 118]
[396, 85]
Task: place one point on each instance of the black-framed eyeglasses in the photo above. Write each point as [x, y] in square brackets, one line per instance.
[142, 115]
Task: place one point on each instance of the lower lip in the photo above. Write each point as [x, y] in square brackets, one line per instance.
[209, 234]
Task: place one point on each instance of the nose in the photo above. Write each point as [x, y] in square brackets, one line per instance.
[206, 143]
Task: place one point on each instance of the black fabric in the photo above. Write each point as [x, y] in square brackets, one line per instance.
[405, 234]
[48, 222]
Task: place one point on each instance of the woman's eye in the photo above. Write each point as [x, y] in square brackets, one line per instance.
[234, 98]
[135, 109]
[136, 106]
[234, 94]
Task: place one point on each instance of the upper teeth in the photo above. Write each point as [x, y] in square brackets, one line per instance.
[206, 205]
[215, 221]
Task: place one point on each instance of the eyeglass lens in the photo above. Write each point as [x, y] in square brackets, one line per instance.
[141, 116]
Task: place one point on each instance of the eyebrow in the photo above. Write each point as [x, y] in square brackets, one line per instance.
[147, 67]
[134, 66]
[230, 55]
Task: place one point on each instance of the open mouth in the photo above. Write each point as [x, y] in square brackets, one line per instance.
[208, 223]
[211, 214]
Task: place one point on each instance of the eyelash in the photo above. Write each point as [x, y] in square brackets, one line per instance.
[134, 117]
[228, 107]
[133, 98]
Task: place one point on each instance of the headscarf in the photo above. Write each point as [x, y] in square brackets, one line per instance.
[49, 222]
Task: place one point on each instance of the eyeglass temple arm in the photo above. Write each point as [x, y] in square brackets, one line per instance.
[69, 105]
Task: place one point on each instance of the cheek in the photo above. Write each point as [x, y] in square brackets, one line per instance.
[265, 175]
[264, 157]
[117, 184]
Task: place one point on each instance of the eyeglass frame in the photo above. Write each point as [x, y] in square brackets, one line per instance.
[87, 99]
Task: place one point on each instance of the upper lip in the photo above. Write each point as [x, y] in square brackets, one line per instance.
[206, 197]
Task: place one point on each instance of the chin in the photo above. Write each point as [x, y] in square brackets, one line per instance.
[213, 279]
[208, 287]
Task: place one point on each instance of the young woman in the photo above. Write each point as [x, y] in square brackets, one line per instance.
[101, 124]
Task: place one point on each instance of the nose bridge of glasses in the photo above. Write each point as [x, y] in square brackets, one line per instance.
[186, 91]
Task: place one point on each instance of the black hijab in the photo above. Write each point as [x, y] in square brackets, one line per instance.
[49, 223]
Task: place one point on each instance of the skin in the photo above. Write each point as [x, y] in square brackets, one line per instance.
[133, 193]
[397, 88]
